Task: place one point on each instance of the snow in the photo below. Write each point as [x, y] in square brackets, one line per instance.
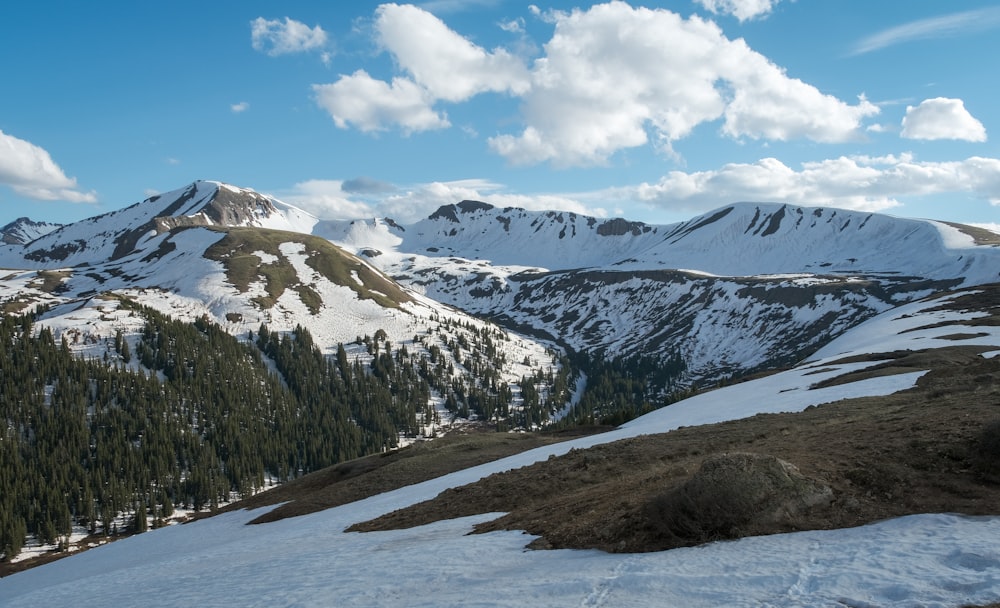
[954, 238]
[926, 560]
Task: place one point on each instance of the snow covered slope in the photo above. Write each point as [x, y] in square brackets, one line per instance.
[925, 560]
[119, 235]
[744, 287]
[745, 239]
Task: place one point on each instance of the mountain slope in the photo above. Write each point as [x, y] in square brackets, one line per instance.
[745, 239]
[243, 259]
[121, 234]
[745, 287]
[946, 560]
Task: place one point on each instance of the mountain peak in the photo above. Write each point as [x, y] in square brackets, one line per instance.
[24, 230]
[450, 212]
[215, 203]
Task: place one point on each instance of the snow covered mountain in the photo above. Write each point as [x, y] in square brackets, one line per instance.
[121, 235]
[24, 230]
[744, 287]
[241, 259]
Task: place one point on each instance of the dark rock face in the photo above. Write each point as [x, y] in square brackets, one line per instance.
[445, 212]
[620, 227]
[473, 206]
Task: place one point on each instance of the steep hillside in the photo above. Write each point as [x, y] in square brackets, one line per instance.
[746, 239]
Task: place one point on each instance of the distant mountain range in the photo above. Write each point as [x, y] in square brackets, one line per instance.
[746, 287]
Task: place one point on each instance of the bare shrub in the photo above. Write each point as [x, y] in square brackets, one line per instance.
[986, 451]
[734, 495]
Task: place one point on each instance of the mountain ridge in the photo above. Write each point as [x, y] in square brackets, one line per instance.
[736, 289]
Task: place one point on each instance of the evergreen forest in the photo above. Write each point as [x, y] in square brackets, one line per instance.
[186, 415]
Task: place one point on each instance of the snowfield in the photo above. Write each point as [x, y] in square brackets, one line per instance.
[938, 560]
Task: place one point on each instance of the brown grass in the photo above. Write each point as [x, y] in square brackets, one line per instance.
[912, 452]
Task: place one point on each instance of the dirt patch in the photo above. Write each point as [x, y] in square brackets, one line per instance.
[363, 477]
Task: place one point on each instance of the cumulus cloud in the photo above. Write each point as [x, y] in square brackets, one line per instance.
[276, 37]
[614, 76]
[30, 171]
[240, 107]
[941, 118]
[944, 26]
[611, 77]
[373, 105]
[365, 197]
[441, 60]
[743, 10]
[440, 65]
[861, 183]
[326, 199]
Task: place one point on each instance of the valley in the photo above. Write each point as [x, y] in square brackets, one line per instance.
[615, 359]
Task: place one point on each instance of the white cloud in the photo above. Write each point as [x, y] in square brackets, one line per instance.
[942, 118]
[860, 183]
[364, 197]
[326, 199]
[442, 61]
[276, 37]
[614, 75]
[371, 105]
[31, 172]
[240, 107]
[743, 10]
[513, 26]
[442, 65]
[945, 26]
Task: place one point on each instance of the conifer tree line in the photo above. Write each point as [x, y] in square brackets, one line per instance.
[622, 388]
[191, 416]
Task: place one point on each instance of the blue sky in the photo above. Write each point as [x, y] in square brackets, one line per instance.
[656, 111]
